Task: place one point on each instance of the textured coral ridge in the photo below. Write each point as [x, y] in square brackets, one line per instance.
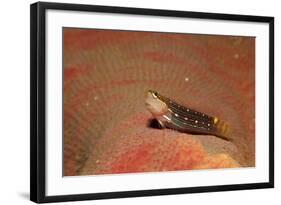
[106, 75]
[144, 149]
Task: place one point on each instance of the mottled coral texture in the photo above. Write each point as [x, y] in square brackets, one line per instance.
[106, 75]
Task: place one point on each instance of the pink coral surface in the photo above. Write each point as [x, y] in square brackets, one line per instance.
[133, 147]
[106, 75]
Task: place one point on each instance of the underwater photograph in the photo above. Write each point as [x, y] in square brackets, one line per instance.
[138, 101]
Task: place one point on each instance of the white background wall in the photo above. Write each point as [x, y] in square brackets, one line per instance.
[14, 100]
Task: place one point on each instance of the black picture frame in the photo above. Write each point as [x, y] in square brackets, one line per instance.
[38, 101]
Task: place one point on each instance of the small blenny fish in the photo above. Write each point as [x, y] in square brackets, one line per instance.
[170, 114]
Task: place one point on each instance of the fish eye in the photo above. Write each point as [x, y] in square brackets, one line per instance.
[154, 94]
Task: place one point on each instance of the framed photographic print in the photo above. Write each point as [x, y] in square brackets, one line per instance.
[129, 102]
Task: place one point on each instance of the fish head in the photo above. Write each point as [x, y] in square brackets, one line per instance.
[154, 104]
